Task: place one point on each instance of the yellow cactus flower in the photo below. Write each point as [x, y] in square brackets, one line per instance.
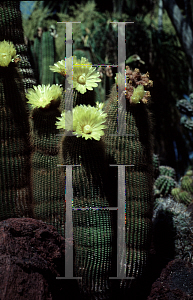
[42, 95]
[59, 67]
[84, 78]
[65, 66]
[65, 120]
[83, 62]
[87, 122]
[7, 53]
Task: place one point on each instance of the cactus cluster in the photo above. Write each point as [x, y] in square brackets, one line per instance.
[33, 185]
[184, 193]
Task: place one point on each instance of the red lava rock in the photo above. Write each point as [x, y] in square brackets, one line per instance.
[175, 282]
[32, 255]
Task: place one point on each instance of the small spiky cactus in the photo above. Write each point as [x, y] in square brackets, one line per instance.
[184, 193]
[165, 184]
[187, 183]
[167, 171]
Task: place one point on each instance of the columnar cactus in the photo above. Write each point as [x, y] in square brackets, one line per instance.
[48, 192]
[91, 227]
[16, 195]
[135, 149]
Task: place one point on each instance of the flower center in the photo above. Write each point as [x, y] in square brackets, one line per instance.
[42, 99]
[4, 55]
[87, 129]
[82, 79]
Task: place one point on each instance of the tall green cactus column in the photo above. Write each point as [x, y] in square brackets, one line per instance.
[135, 149]
[48, 192]
[92, 226]
[15, 197]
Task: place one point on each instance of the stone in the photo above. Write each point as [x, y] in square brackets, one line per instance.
[175, 282]
[32, 255]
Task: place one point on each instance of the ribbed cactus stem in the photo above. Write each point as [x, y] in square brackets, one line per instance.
[91, 228]
[15, 197]
[135, 150]
[48, 192]
[75, 97]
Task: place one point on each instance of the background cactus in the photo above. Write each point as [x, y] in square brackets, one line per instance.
[47, 59]
[44, 55]
[132, 150]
